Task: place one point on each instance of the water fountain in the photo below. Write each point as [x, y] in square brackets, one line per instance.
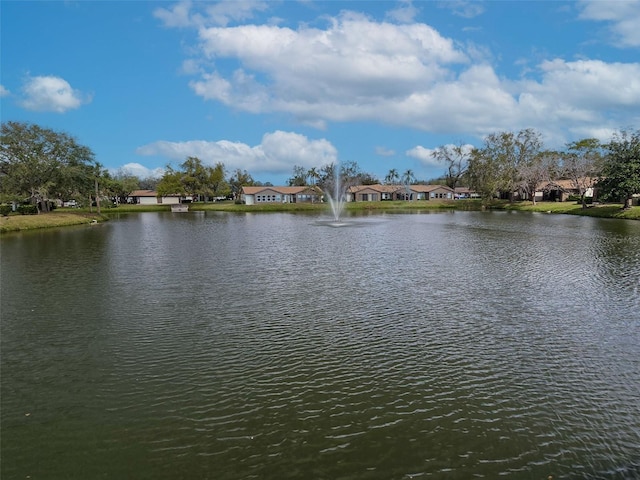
[337, 201]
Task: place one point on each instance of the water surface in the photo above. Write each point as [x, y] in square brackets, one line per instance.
[232, 346]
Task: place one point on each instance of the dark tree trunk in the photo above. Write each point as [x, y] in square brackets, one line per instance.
[97, 196]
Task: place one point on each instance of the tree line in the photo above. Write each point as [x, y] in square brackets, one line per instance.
[514, 164]
[517, 162]
[40, 166]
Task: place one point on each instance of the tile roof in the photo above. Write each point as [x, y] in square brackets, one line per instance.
[397, 188]
[281, 190]
[353, 189]
[376, 188]
[150, 193]
[566, 184]
[143, 193]
[429, 188]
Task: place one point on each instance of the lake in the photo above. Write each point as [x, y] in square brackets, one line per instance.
[449, 345]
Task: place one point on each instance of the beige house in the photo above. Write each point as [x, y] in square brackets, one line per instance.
[375, 193]
[151, 197]
[431, 192]
[561, 190]
[372, 193]
[258, 195]
[465, 192]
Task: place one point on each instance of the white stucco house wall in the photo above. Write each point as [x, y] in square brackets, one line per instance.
[258, 195]
[151, 197]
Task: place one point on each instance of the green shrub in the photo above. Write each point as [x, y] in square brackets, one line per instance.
[576, 198]
[5, 210]
[27, 209]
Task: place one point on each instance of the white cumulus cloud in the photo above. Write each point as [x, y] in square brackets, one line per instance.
[464, 8]
[276, 154]
[585, 94]
[385, 152]
[178, 15]
[355, 69]
[404, 13]
[3, 91]
[426, 155]
[622, 17]
[51, 94]
[182, 14]
[222, 13]
[344, 72]
[140, 171]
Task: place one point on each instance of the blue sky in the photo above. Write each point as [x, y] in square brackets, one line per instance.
[264, 86]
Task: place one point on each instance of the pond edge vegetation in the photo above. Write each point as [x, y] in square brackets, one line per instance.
[74, 216]
[45, 175]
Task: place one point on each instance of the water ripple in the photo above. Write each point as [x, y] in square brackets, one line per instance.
[299, 351]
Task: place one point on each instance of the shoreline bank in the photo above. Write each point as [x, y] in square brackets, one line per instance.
[19, 223]
[68, 217]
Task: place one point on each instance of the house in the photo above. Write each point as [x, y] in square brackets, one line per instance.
[151, 197]
[258, 195]
[374, 193]
[464, 193]
[355, 193]
[561, 190]
[432, 192]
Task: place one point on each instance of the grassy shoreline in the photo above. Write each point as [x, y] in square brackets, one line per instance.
[18, 223]
[66, 217]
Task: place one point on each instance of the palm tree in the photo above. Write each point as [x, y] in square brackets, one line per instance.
[392, 177]
[313, 175]
[408, 177]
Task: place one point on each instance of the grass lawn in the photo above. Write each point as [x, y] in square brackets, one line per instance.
[14, 223]
[572, 208]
